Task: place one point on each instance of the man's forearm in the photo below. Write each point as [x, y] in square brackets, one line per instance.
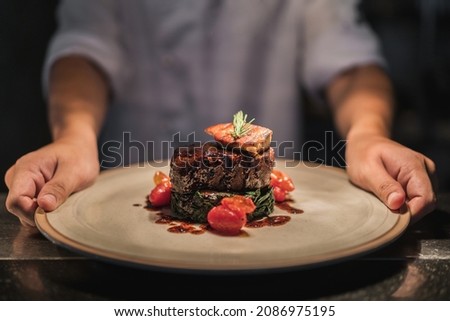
[362, 102]
[78, 94]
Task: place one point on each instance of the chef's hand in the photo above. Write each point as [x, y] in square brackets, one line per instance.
[47, 176]
[396, 174]
[77, 101]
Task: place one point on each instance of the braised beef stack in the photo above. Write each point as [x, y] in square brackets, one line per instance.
[203, 174]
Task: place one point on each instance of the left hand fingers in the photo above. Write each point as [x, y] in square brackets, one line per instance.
[431, 170]
[420, 189]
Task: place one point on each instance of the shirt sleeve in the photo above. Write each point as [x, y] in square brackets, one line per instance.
[87, 28]
[335, 39]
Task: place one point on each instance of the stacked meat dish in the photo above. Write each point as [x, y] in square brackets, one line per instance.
[238, 162]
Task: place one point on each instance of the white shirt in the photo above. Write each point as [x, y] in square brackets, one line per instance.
[182, 65]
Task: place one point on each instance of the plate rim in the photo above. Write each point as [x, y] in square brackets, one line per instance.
[58, 238]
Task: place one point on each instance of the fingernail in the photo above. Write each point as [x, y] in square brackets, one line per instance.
[50, 199]
[394, 200]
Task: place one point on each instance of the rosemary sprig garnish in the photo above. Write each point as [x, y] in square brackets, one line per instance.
[240, 124]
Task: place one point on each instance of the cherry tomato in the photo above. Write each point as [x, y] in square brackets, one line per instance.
[239, 204]
[160, 177]
[160, 195]
[229, 217]
[279, 194]
[280, 179]
[225, 221]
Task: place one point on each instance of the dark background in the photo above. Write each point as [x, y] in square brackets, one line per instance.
[415, 37]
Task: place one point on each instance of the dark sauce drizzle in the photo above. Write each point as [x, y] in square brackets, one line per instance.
[286, 206]
[181, 227]
[175, 225]
[276, 220]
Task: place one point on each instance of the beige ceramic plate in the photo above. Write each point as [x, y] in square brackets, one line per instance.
[339, 221]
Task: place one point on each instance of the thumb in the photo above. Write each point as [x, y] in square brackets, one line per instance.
[56, 190]
[386, 188]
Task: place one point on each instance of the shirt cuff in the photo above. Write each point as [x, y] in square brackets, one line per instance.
[105, 56]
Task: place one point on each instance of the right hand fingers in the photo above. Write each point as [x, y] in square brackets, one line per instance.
[9, 176]
[48, 176]
[29, 190]
[38, 180]
[57, 189]
[23, 207]
[23, 187]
